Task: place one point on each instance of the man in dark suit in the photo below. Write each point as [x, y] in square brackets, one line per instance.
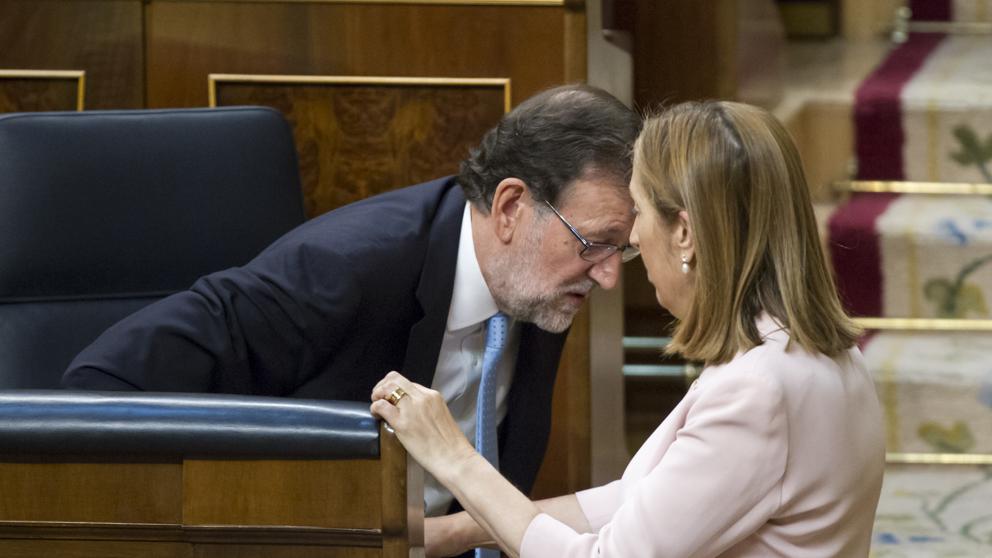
[406, 280]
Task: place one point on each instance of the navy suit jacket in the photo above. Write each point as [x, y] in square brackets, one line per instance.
[325, 312]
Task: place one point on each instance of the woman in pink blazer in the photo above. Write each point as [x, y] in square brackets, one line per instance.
[777, 449]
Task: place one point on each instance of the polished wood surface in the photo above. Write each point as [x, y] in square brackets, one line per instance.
[302, 493]
[236, 551]
[93, 549]
[402, 523]
[567, 463]
[726, 49]
[103, 38]
[355, 140]
[133, 549]
[40, 90]
[186, 41]
[99, 492]
[213, 508]
[667, 36]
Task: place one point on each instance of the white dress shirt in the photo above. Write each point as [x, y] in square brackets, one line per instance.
[459, 364]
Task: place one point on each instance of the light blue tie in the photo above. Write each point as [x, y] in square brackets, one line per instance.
[485, 419]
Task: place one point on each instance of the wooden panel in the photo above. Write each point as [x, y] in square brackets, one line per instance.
[402, 484]
[666, 35]
[101, 492]
[147, 549]
[567, 463]
[301, 493]
[359, 139]
[264, 551]
[93, 549]
[24, 90]
[104, 38]
[736, 48]
[189, 40]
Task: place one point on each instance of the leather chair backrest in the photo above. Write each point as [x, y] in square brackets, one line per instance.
[104, 212]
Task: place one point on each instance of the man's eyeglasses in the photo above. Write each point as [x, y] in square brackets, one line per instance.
[596, 252]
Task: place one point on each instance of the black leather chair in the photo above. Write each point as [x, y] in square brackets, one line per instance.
[102, 213]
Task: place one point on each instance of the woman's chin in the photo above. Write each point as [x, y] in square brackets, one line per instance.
[670, 308]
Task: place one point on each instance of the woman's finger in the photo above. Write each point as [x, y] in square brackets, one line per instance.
[385, 410]
[390, 383]
[383, 389]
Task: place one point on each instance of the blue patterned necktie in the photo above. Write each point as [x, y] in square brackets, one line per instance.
[485, 425]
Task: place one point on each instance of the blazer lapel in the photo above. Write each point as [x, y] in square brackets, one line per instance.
[434, 289]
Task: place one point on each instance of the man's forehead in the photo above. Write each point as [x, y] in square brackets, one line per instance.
[592, 194]
[602, 208]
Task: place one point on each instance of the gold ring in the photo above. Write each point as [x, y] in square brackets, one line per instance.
[395, 396]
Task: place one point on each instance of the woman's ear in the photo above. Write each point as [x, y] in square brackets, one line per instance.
[683, 237]
[508, 207]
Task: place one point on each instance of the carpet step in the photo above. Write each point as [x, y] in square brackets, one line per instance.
[931, 511]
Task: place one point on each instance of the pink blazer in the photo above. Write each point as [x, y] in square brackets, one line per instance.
[776, 453]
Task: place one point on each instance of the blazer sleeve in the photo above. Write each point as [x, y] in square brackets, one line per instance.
[717, 483]
[261, 328]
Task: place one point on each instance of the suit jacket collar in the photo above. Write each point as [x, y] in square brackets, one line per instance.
[434, 288]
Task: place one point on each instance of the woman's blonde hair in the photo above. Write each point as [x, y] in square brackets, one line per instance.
[736, 172]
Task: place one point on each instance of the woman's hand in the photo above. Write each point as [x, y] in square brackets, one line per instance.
[425, 428]
[422, 423]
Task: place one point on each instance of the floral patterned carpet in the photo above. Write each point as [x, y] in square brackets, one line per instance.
[934, 511]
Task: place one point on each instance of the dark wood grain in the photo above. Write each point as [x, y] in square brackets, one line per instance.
[101, 492]
[568, 461]
[189, 40]
[355, 141]
[93, 549]
[104, 38]
[301, 493]
[18, 94]
[683, 50]
[393, 471]
[268, 551]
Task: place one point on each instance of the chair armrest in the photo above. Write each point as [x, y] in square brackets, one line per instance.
[144, 425]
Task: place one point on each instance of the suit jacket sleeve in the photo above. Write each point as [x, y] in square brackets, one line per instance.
[718, 482]
[261, 328]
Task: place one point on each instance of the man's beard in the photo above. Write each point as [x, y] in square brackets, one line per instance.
[519, 291]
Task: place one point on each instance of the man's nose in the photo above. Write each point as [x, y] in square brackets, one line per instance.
[607, 272]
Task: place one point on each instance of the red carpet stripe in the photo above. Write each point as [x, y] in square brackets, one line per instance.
[877, 109]
[931, 10]
[856, 253]
[854, 241]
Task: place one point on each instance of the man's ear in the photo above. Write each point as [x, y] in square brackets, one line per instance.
[508, 207]
[683, 237]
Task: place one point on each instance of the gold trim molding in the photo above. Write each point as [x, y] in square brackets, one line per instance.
[78, 75]
[214, 79]
[939, 458]
[963, 188]
[924, 324]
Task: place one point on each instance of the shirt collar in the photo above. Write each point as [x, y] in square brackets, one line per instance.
[471, 301]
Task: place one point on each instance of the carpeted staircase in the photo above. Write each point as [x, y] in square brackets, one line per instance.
[919, 265]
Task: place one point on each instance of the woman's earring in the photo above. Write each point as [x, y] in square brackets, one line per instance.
[685, 264]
